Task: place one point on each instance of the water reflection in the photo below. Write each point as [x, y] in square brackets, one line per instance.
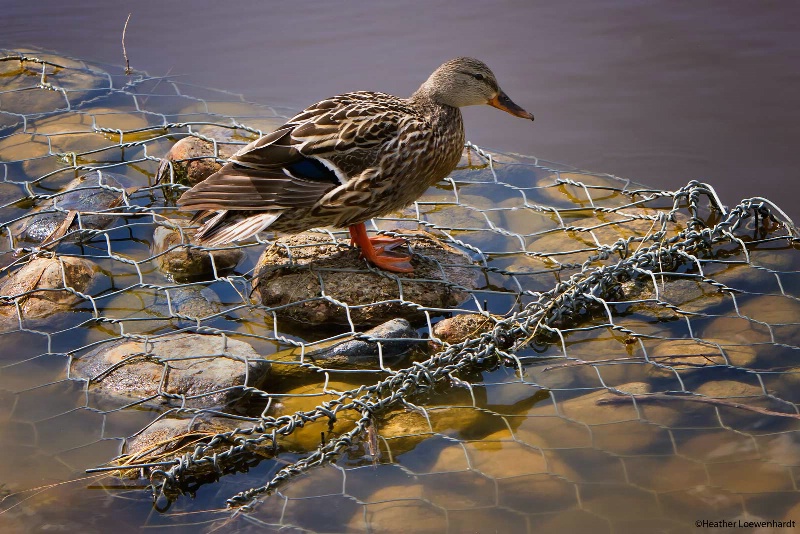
[547, 438]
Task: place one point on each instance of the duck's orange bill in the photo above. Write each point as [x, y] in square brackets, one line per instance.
[501, 101]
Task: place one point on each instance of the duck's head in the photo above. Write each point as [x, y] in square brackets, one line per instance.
[465, 81]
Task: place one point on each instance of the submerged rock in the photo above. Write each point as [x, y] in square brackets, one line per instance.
[169, 435]
[45, 286]
[186, 263]
[688, 294]
[148, 310]
[94, 192]
[401, 430]
[295, 273]
[171, 438]
[194, 159]
[206, 367]
[691, 353]
[397, 339]
[24, 95]
[192, 301]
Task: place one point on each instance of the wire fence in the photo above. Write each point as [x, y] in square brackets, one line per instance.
[574, 351]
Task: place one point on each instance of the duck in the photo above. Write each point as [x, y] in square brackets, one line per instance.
[345, 160]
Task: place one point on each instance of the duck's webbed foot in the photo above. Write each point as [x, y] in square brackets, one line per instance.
[378, 250]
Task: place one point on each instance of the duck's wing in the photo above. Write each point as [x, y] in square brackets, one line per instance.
[306, 158]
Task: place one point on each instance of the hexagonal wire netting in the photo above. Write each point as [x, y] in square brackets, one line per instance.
[631, 361]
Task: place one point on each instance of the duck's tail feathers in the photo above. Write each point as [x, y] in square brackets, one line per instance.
[228, 226]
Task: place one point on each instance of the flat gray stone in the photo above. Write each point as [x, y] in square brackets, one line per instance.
[207, 366]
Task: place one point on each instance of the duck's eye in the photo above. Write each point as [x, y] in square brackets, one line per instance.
[478, 76]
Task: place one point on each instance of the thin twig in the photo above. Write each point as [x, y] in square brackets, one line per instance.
[623, 398]
[125, 52]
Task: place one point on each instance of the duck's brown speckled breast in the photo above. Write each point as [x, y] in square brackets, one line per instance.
[422, 157]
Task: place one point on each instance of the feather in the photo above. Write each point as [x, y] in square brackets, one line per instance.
[224, 229]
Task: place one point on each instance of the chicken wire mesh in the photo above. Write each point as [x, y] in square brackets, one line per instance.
[627, 359]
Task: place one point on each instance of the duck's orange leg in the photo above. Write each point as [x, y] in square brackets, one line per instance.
[377, 249]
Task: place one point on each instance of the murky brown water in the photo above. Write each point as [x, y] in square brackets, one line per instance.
[660, 93]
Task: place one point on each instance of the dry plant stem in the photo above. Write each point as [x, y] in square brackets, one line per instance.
[125, 52]
[624, 397]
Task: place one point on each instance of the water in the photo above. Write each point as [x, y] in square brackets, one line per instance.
[656, 92]
[518, 460]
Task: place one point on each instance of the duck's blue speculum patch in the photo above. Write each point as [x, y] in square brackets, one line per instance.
[312, 169]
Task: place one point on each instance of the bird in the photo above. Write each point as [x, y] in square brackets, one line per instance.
[345, 160]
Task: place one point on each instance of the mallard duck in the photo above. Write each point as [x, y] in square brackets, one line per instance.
[345, 160]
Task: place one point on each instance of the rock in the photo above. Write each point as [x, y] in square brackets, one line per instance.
[691, 353]
[619, 428]
[33, 286]
[774, 259]
[461, 328]
[665, 474]
[618, 358]
[169, 434]
[652, 328]
[96, 191]
[397, 339]
[484, 517]
[171, 438]
[24, 96]
[623, 505]
[305, 398]
[258, 116]
[152, 311]
[399, 508]
[548, 492]
[289, 275]
[495, 476]
[455, 216]
[194, 159]
[192, 301]
[564, 190]
[737, 330]
[497, 456]
[54, 142]
[743, 278]
[402, 430]
[207, 366]
[186, 263]
[782, 312]
[688, 294]
[578, 239]
[76, 132]
[730, 389]
[781, 449]
[572, 520]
